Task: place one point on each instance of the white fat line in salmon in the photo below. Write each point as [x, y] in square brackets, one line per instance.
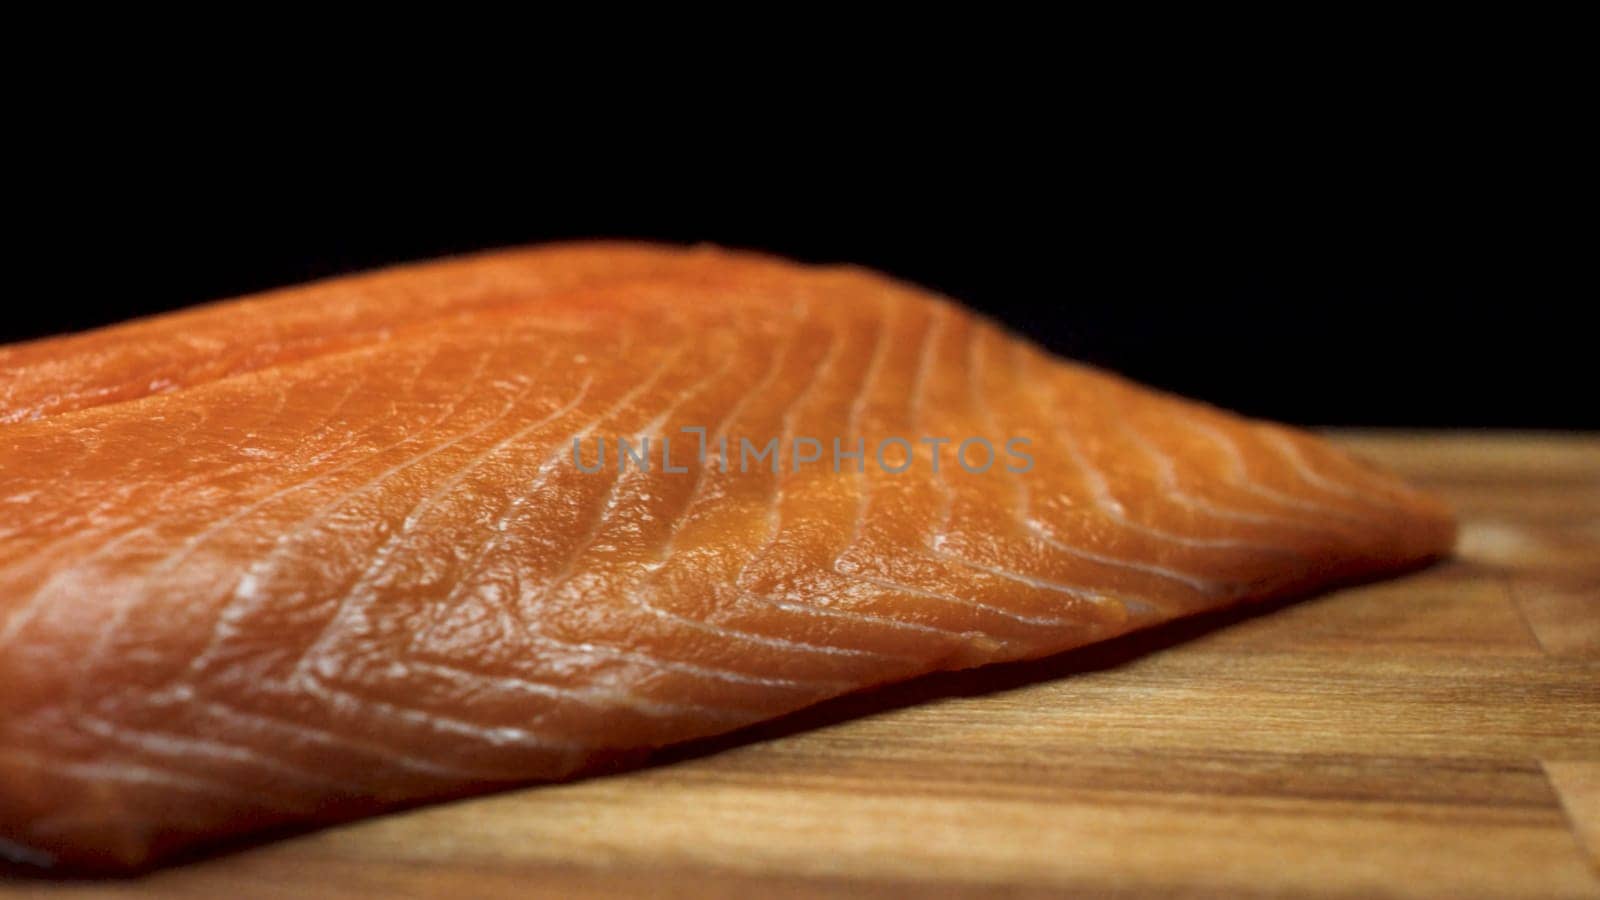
[894, 455]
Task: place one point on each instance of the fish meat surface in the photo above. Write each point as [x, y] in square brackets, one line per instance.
[456, 526]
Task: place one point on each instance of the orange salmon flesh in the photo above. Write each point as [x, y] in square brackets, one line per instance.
[327, 551]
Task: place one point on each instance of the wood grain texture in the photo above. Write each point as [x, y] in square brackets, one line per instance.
[1438, 735]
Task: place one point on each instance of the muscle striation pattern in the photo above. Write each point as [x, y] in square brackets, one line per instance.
[314, 554]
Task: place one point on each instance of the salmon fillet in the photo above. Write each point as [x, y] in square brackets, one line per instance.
[322, 552]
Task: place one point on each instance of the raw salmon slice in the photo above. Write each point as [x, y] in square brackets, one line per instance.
[314, 554]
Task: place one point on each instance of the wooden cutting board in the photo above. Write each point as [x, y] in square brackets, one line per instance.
[1437, 735]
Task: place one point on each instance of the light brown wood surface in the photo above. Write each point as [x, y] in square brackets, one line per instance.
[1435, 735]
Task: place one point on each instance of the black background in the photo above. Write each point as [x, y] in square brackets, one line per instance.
[1390, 275]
